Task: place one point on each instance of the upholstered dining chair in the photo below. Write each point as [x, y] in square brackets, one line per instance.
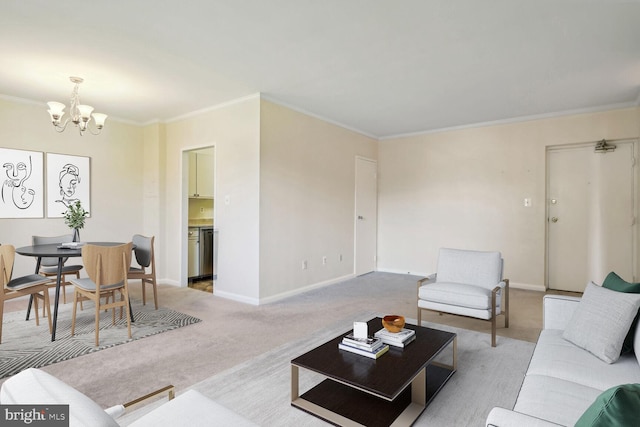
[146, 269]
[107, 268]
[467, 283]
[20, 286]
[49, 266]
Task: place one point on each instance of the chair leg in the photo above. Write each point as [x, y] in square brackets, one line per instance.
[35, 308]
[144, 292]
[47, 304]
[125, 298]
[419, 316]
[155, 292]
[1, 318]
[97, 321]
[73, 316]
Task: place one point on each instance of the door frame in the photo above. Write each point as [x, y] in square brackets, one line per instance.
[184, 206]
[635, 200]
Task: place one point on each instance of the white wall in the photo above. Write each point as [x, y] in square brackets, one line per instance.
[465, 189]
[235, 131]
[307, 192]
[116, 176]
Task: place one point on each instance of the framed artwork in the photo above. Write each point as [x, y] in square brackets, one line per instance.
[22, 193]
[68, 180]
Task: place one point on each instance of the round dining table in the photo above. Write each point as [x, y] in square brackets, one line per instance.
[60, 251]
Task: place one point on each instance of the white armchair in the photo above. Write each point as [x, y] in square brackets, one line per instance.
[467, 283]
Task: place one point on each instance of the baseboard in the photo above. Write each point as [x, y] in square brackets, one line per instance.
[297, 291]
[412, 273]
[235, 297]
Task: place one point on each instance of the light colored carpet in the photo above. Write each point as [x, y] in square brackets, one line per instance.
[25, 345]
[259, 389]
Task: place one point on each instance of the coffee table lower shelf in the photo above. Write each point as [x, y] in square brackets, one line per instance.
[342, 405]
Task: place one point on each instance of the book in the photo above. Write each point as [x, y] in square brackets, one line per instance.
[370, 343]
[396, 339]
[371, 354]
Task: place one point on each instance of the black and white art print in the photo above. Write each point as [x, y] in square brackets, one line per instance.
[22, 184]
[68, 180]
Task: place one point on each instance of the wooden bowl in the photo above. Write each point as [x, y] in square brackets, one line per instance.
[393, 323]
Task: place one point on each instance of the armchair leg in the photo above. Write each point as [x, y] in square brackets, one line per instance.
[419, 316]
[493, 331]
[506, 303]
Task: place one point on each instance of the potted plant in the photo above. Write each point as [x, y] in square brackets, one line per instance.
[74, 217]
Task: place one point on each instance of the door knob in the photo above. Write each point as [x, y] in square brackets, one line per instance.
[554, 219]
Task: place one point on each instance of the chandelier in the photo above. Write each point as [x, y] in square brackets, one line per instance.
[79, 114]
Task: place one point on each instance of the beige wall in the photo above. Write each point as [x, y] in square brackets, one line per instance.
[116, 176]
[234, 130]
[307, 187]
[465, 189]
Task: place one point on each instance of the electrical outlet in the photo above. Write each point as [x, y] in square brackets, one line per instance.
[201, 210]
[324, 260]
[304, 264]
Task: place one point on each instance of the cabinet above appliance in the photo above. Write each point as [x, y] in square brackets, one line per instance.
[201, 175]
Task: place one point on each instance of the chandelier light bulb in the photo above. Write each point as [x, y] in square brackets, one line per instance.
[80, 114]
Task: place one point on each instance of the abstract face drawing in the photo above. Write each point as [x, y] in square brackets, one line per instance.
[69, 179]
[14, 188]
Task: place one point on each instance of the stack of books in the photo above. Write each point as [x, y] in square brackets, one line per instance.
[396, 339]
[370, 347]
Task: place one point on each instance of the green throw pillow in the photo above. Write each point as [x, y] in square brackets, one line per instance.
[616, 407]
[616, 283]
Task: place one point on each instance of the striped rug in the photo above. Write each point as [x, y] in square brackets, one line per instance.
[26, 345]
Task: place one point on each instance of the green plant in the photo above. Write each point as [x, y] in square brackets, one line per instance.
[75, 215]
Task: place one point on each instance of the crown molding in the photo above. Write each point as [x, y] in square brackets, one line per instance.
[520, 119]
[317, 116]
[212, 108]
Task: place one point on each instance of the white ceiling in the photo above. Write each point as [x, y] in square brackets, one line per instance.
[381, 67]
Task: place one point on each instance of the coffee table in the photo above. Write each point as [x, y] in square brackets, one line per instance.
[391, 390]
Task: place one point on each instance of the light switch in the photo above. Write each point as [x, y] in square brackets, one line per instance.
[227, 199]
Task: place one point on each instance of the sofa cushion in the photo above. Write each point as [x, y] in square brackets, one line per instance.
[601, 321]
[558, 358]
[616, 283]
[34, 386]
[553, 399]
[617, 406]
[471, 267]
[461, 294]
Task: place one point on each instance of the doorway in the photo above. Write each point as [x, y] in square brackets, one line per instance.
[201, 225]
[591, 206]
[366, 212]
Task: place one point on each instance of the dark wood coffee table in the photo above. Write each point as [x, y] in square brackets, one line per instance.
[391, 390]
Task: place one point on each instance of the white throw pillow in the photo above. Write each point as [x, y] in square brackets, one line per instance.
[601, 321]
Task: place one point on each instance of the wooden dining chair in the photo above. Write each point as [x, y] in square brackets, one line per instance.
[49, 265]
[146, 269]
[20, 286]
[107, 267]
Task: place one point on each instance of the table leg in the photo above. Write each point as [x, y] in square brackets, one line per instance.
[57, 299]
[31, 296]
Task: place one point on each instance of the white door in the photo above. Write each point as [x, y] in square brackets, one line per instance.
[590, 229]
[366, 222]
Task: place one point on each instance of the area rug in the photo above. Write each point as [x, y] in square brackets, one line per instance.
[26, 345]
[259, 389]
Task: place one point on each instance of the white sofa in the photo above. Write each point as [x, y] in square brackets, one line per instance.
[563, 380]
[37, 387]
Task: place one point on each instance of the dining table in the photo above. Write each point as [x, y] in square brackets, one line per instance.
[60, 251]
